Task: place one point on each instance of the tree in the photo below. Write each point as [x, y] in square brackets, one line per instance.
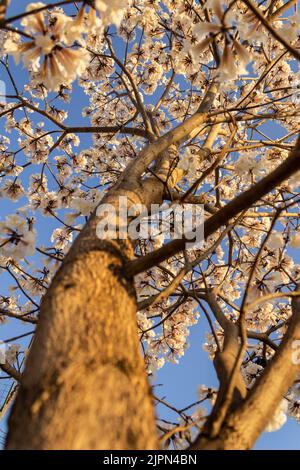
[192, 104]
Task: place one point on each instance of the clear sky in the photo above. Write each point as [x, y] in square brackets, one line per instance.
[180, 382]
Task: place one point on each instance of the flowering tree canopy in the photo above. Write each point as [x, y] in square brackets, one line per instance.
[187, 102]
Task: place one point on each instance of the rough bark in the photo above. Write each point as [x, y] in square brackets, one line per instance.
[85, 366]
[85, 385]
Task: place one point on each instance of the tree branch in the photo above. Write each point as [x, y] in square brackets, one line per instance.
[187, 129]
[245, 424]
[220, 218]
[271, 30]
[11, 371]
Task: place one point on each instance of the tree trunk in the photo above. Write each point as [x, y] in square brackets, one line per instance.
[3, 8]
[85, 385]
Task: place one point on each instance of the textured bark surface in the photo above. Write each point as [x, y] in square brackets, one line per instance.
[3, 7]
[85, 385]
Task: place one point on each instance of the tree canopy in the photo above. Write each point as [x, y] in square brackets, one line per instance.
[194, 103]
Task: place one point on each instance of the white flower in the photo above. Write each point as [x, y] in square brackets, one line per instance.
[82, 205]
[275, 240]
[251, 372]
[295, 240]
[3, 39]
[111, 10]
[82, 23]
[17, 237]
[11, 353]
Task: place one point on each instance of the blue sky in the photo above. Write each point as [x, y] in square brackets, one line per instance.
[180, 382]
